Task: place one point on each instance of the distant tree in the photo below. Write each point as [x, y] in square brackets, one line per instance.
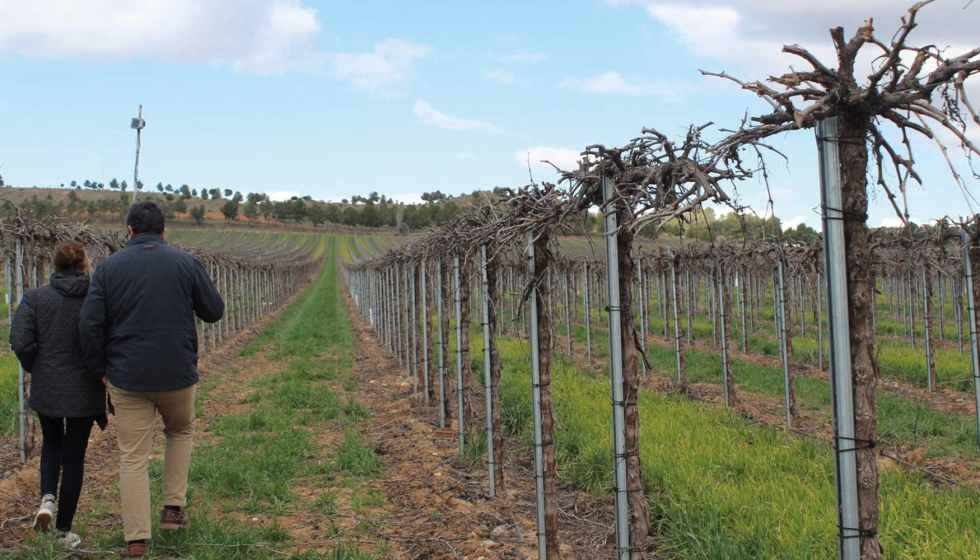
[433, 197]
[180, 206]
[344, 201]
[123, 186]
[238, 197]
[204, 194]
[349, 217]
[802, 233]
[317, 214]
[169, 188]
[198, 214]
[369, 215]
[298, 210]
[332, 213]
[114, 184]
[448, 212]
[160, 187]
[230, 210]
[194, 192]
[252, 210]
[228, 193]
[185, 191]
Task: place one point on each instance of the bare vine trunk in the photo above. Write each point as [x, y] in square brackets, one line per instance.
[853, 151]
[794, 412]
[542, 258]
[445, 284]
[726, 319]
[639, 509]
[464, 298]
[929, 312]
[683, 385]
[417, 348]
[430, 370]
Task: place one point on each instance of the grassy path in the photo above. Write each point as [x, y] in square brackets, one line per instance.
[280, 468]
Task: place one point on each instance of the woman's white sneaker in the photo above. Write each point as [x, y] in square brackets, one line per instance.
[69, 540]
[42, 521]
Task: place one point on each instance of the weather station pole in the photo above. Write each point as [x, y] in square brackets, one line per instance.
[138, 124]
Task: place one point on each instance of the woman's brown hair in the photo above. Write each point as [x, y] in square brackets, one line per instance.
[70, 255]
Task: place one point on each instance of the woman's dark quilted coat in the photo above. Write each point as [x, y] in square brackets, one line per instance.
[44, 335]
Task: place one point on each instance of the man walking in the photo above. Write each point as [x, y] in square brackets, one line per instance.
[138, 332]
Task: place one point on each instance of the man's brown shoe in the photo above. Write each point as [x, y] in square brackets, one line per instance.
[174, 520]
[134, 550]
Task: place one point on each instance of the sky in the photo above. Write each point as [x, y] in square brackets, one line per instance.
[334, 98]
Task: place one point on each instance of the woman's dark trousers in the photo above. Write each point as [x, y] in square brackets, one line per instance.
[63, 456]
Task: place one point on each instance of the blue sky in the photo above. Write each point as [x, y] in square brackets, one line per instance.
[333, 98]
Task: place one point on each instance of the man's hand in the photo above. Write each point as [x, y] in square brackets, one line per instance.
[105, 381]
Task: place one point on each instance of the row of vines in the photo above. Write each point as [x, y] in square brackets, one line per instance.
[504, 261]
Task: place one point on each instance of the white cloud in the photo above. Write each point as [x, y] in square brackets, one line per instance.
[565, 159]
[749, 34]
[440, 120]
[500, 76]
[612, 83]
[792, 223]
[256, 36]
[386, 66]
[466, 156]
[282, 195]
[260, 36]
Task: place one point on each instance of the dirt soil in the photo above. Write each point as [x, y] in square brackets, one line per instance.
[439, 504]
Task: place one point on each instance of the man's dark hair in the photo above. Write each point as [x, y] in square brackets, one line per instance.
[145, 217]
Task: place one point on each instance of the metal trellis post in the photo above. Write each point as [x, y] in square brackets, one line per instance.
[616, 371]
[485, 309]
[536, 405]
[845, 465]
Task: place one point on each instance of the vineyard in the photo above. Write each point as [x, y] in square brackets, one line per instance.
[497, 387]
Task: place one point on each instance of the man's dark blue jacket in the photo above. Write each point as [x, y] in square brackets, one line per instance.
[137, 323]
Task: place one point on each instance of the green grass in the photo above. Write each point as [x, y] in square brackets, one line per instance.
[9, 403]
[354, 457]
[722, 488]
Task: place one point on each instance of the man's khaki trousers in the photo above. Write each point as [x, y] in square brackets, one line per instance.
[135, 416]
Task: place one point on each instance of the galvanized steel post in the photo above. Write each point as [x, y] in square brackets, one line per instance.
[442, 347]
[845, 465]
[485, 309]
[616, 370]
[972, 313]
[536, 405]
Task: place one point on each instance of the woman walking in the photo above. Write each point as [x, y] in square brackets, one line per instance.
[67, 398]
